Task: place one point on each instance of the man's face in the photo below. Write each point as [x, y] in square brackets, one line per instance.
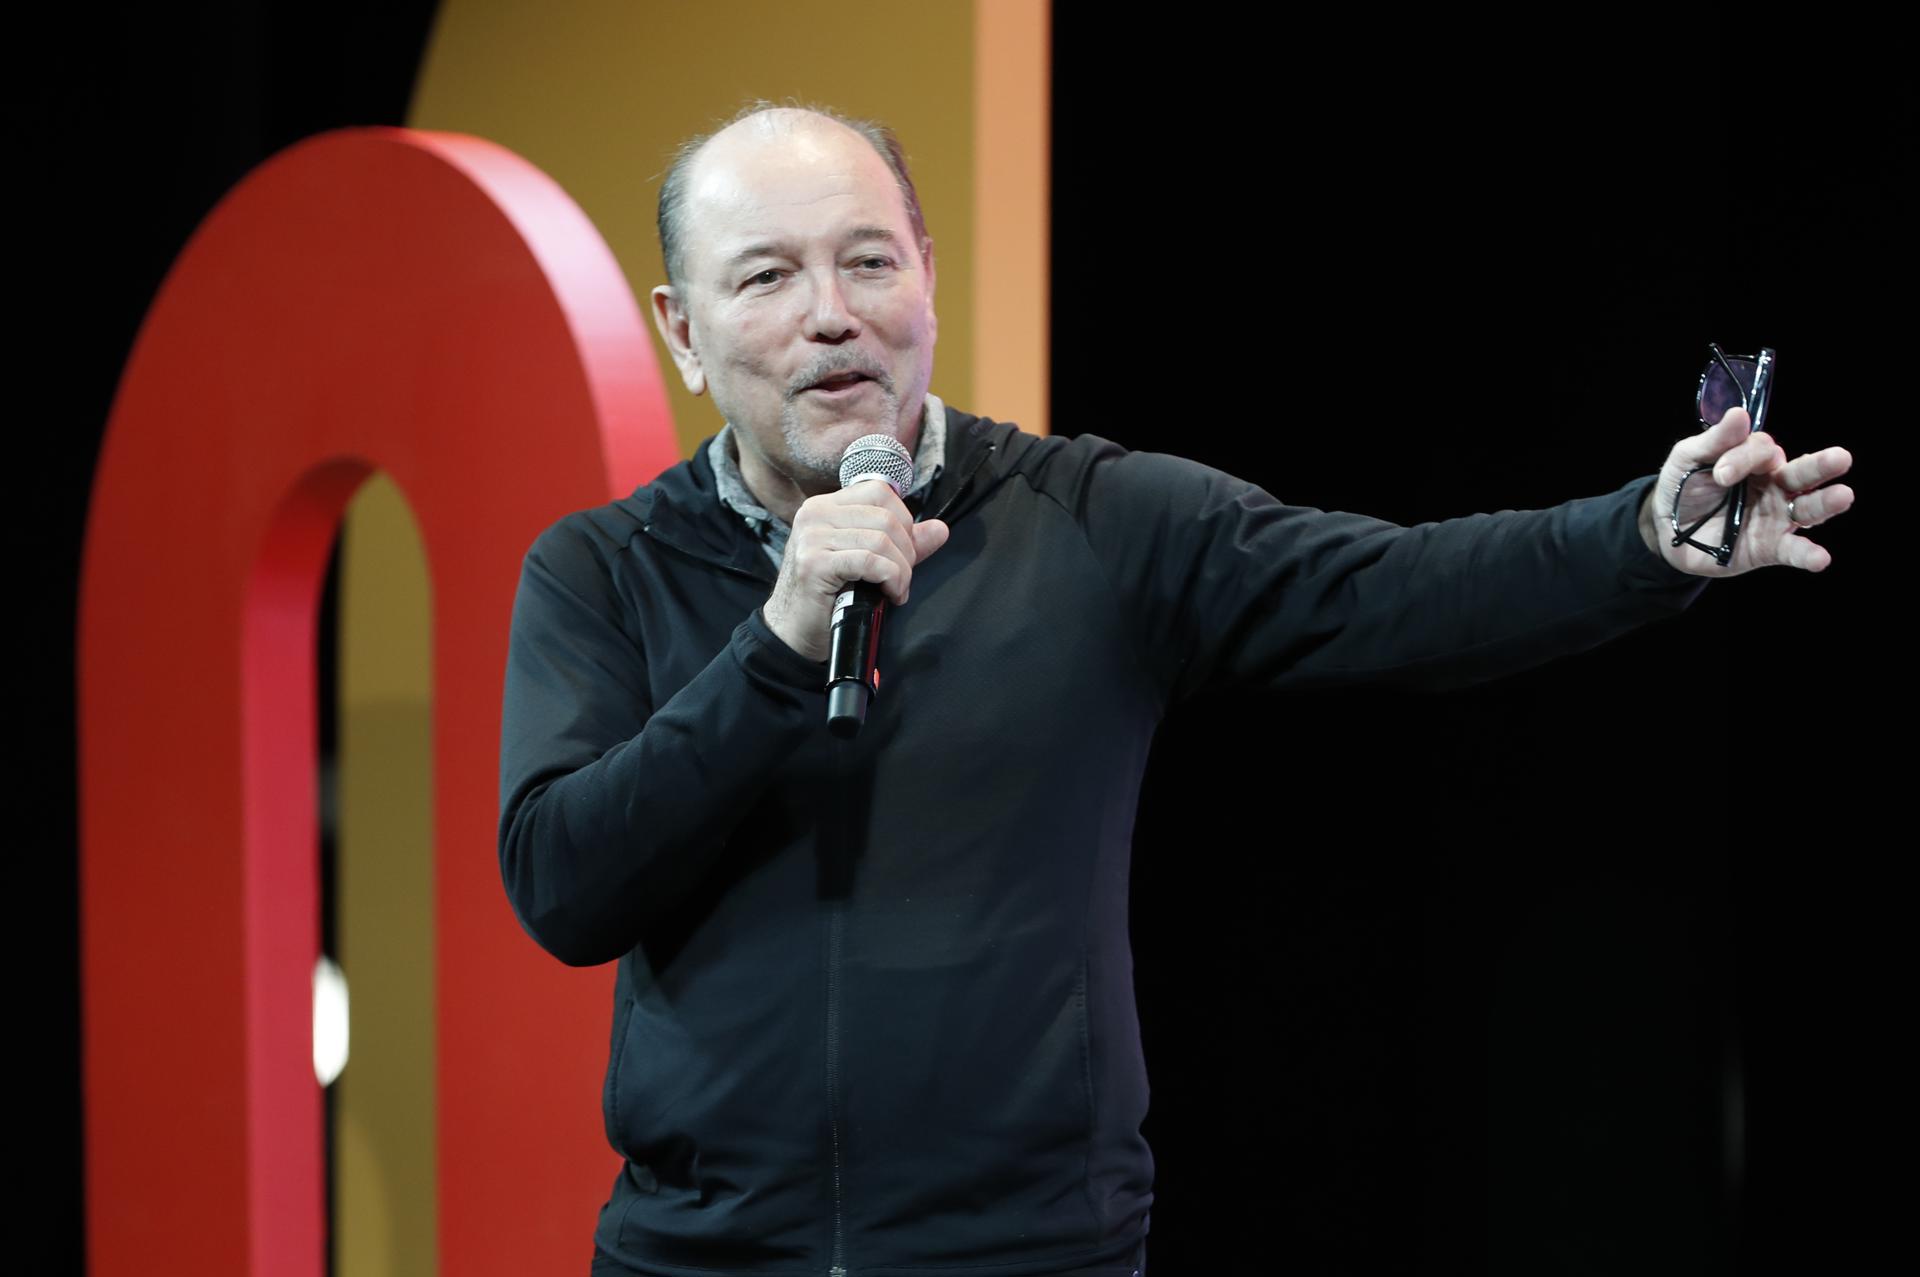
[808, 306]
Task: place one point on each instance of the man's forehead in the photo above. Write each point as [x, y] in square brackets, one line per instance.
[758, 170]
[783, 130]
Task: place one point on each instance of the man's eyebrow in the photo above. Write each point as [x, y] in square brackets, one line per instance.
[751, 251]
[770, 248]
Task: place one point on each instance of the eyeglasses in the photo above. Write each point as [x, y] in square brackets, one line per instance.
[1730, 381]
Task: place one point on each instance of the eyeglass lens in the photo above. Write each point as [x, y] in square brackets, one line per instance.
[1719, 392]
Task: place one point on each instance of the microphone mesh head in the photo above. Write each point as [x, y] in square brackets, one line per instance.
[877, 457]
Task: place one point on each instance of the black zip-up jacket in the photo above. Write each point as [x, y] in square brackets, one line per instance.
[874, 1011]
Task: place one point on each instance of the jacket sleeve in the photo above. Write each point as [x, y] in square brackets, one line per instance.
[612, 808]
[1232, 587]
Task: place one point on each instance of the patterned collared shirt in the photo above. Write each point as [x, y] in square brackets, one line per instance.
[929, 459]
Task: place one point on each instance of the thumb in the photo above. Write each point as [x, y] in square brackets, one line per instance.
[928, 536]
[1705, 448]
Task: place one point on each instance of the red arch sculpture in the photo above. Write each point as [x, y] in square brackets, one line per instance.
[433, 306]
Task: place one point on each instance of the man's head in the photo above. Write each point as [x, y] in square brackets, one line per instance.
[801, 291]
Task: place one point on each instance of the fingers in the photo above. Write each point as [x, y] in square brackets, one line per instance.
[1735, 455]
[895, 527]
[869, 492]
[1756, 455]
[1811, 509]
[828, 558]
[873, 504]
[1734, 418]
[881, 567]
[1798, 552]
[861, 533]
[1815, 469]
[928, 537]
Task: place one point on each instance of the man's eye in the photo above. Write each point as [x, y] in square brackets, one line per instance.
[765, 277]
[874, 263]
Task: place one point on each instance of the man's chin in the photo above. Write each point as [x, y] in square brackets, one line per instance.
[819, 444]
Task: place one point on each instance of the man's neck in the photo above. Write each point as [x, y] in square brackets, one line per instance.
[780, 493]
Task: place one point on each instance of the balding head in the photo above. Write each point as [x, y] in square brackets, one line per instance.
[767, 122]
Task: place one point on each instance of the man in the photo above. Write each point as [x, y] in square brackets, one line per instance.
[874, 1007]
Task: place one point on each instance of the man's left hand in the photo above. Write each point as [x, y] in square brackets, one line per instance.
[1784, 499]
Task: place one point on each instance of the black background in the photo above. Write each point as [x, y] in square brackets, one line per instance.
[1469, 983]
[1427, 984]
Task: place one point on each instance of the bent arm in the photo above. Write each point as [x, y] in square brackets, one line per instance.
[612, 809]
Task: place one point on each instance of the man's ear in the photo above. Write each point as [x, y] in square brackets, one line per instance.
[926, 262]
[670, 317]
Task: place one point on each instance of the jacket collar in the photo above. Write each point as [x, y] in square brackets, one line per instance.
[979, 453]
[682, 508]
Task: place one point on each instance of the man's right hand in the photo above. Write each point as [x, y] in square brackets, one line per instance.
[862, 533]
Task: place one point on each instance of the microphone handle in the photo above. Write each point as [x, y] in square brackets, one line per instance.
[853, 644]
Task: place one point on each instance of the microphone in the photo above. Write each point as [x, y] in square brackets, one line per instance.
[853, 639]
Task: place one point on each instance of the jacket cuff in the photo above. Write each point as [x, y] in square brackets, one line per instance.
[1641, 568]
[765, 656]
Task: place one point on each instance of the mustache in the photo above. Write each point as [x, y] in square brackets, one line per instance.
[833, 363]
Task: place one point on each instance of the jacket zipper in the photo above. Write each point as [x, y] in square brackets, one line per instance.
[835, 922]
[836, 930]
[966, 481]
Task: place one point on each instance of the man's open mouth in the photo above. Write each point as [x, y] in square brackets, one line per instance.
[840, 382]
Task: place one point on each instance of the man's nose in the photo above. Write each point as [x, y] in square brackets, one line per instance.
[831, 318]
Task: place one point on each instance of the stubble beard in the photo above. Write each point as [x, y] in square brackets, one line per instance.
[816, 462]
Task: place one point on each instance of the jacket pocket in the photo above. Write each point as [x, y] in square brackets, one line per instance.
[610, 1091]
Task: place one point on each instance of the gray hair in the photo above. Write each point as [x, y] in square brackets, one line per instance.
[673, 188]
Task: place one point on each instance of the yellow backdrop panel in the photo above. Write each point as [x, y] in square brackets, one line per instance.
[383, 1161]
[598, 92]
